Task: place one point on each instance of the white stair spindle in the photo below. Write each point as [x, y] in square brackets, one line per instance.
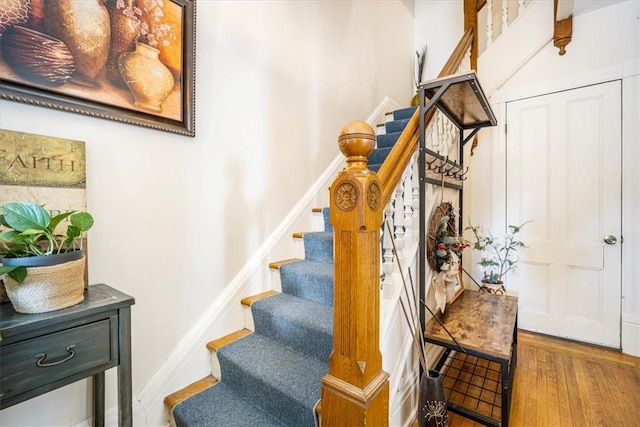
[520, 7]
[398, 220]
[415, 193]
[387, 253]
[407, 201]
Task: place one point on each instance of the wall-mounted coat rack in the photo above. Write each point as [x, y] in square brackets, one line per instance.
[440, 170]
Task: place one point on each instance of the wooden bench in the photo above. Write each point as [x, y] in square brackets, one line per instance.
[480, 354]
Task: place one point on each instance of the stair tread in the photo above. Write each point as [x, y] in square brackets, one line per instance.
[248, 301]
[192, 389]
[217, 344]
[275, 265]
[230, 406]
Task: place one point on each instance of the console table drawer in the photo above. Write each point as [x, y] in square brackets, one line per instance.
[32, 363]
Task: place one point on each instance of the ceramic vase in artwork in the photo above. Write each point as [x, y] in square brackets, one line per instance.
[432, 403]
[166, 23]
[84, 27]
[148, 79]
[124, 34]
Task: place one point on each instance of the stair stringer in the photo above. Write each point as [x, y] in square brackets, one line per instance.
[520, 42]
[190, 359]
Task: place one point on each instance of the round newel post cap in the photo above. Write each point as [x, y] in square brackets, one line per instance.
[356, 142]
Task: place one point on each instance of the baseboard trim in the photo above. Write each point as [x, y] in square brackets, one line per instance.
[631, 339]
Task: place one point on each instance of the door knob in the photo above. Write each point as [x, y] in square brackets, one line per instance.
[610, 240]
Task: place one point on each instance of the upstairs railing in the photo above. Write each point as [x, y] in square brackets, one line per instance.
[491, 18]
[356, 389]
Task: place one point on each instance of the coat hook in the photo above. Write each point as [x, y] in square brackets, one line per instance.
[447, 172]
[458, 169]
[444, 162]
[460, 176]
[431, 163]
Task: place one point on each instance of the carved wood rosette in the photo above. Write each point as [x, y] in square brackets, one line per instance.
[355, 392]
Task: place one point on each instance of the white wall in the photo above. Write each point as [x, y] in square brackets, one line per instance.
[177, 218]
[605, 46]
[439, 24]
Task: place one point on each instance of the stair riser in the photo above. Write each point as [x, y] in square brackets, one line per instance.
[271, 391]
[378, 155]
[275, 402]
[310, 333]
[396, 125]
[316, 286]
[318, 247]
[388, 140]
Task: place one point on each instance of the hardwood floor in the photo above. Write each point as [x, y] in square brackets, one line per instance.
[560, 383]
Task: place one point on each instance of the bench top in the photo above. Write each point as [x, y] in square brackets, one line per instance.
[483, 323]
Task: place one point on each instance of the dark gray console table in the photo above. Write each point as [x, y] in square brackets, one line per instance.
[43, 352]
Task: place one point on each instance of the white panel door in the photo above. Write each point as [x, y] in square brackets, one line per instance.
[564, 174]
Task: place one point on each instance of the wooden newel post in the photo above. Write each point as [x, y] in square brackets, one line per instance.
[355, 392]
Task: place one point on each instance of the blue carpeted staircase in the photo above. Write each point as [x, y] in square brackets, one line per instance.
[386, 139]
[271, 377]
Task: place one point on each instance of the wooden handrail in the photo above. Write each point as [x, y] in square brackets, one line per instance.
[399, 157]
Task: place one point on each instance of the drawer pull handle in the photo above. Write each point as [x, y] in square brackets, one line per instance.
[71, 348]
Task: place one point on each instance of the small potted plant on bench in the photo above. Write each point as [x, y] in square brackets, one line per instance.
[499, 256]
[43, 268]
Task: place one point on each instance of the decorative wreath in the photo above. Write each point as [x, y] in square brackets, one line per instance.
[442, 210]
[444, 246]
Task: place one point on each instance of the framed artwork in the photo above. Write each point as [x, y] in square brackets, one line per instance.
[132, 61]
[458, 288]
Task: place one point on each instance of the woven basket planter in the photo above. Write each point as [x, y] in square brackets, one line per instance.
[48, 288]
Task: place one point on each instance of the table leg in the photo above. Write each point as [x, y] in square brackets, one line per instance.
[124, 369]
[515, 342]
[98, 399]
[506, 393]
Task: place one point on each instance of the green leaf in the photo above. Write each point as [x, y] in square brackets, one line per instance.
[73, 232]
[9, 235]
[17, 273]
[82, 220]
[58, 219]
[26, 215]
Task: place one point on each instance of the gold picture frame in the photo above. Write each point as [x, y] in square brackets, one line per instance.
[42, 61]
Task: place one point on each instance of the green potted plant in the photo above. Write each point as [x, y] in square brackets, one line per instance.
[498, 256]
[43, 267]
